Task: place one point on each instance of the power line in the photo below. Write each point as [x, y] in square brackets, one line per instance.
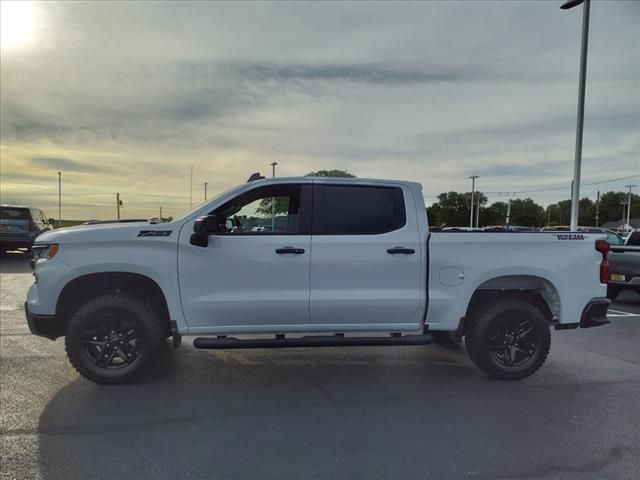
[551, 189]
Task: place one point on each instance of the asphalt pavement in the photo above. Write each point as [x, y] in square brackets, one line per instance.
[361, 413]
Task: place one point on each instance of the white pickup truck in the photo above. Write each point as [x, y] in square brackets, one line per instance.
[304, 262]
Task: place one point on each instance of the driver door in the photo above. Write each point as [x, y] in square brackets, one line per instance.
[254, 274]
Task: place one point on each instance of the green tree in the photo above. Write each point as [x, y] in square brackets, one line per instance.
[281, 205]
[527, 213]
[331, 173]
[494, 214]
[611, 209]
[453, 209]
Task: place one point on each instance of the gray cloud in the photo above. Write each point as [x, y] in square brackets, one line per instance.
[359, 73]
[66, 164]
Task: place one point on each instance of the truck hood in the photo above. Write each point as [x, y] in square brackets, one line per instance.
[108, 232]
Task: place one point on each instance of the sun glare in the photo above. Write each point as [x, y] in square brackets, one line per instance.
[17, 19]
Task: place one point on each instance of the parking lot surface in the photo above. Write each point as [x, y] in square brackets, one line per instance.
[389, 413]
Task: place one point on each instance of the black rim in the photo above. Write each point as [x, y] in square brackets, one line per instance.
[112, 341]
[512, 341]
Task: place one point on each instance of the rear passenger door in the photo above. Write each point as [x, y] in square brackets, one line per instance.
[366, 258]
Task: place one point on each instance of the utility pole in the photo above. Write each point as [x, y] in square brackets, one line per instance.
[160, 213]
[191, 189]
[205, 191]
[577, 165]
[548, 216]
[118, 203]
[273, 200]
[508, 213]
[629, 205]
[59, 199]
[478, 210]
[598, 209]
[473, 194]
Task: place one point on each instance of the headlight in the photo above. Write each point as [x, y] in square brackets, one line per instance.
[44, 251]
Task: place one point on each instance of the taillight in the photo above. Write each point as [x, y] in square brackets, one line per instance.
[604, 248]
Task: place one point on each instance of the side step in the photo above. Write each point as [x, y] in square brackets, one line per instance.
[229, 343]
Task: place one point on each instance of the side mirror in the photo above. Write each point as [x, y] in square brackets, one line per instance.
[51, 221]
[202, 228]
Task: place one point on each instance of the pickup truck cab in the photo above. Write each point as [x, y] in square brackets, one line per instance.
[303, 262]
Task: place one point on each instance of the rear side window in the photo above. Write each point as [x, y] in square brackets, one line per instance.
[8, 213]
[357, 210]
[634, 239]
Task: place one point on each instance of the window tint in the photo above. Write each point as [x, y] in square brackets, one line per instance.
[263, 211]
[355, 210]
[634, 238]
[614, 239]
[9, 213]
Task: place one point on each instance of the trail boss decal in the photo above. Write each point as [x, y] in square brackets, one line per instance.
[154, 233]
[570, 236]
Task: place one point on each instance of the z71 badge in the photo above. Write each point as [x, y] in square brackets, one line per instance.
[570, 236]
[154, 233]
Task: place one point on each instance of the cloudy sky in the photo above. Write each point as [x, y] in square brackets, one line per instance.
[125, 96]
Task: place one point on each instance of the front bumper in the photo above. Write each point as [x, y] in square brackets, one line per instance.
[593, 315]
[43, 325]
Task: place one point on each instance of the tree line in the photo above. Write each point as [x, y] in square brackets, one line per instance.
[454, 209]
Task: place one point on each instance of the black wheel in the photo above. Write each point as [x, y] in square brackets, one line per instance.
[113, 338]
[508, 338]
[612, 292]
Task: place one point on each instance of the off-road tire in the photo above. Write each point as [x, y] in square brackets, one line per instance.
[483, 324]
[148, 326]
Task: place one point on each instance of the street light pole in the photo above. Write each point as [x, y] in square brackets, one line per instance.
[629, 205]
[577, 166]
[273, 200]
[473, 194]
[205, 191]
[191, 189]
[59, 199]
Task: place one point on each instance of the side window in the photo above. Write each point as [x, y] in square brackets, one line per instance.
[614, 239]
[35, 215]
[360, 210]
[634, 238]
[264, 211]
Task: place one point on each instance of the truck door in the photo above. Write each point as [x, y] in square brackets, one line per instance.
[254, 274]
[366, 265]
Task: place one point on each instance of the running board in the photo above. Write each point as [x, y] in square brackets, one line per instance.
[230, 343]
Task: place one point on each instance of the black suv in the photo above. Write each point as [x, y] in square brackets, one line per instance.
[19, 226]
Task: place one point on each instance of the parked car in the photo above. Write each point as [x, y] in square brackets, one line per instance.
[19, 226]
[355, 266]
[625, 266]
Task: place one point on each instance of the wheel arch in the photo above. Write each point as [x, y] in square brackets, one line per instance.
[85, 287]
[538, 290]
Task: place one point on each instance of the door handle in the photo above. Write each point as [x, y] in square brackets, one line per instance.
[295, 251]
[395, 250]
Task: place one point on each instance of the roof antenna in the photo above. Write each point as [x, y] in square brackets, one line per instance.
[255, 176]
